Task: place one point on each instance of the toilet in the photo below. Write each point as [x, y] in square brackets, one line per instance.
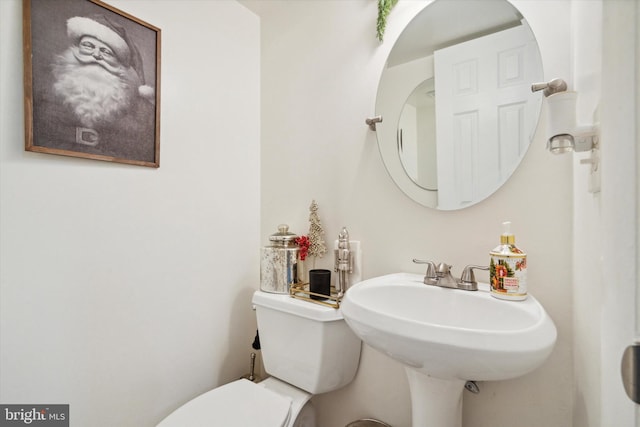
[307, 349]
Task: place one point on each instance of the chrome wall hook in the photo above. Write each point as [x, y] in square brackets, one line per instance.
[550, 87]
[372, 122]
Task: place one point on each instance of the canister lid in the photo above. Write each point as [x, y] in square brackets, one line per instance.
[283, 237]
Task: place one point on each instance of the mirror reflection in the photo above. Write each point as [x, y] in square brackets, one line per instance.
[417, 136]
[455, 96]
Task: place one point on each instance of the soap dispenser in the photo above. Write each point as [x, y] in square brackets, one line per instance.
[508, 268]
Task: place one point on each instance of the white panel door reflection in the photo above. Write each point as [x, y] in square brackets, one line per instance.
[479, 83]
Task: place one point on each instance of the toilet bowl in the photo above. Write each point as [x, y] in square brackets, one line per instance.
[306, 348]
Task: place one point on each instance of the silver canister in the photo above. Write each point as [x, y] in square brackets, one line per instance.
[279, 262]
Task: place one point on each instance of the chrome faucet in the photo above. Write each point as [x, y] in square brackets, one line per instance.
[440, 275]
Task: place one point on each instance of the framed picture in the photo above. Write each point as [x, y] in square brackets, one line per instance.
[91, 82]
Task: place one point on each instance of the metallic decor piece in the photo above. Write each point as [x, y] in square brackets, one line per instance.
[279, 262]
[301, 291]
[343, 261]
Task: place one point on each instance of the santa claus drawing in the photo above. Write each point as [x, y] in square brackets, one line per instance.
[96, 100]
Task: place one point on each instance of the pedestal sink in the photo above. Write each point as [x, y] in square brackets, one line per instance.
[445, 337]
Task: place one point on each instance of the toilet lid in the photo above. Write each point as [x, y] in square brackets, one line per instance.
[238, 404]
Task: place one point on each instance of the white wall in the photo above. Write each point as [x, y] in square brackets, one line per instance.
[320, 69]
[586, 22]
[125, 291]
[606, 223]
[618, 204]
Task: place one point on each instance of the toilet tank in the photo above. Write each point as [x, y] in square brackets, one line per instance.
[304, 344]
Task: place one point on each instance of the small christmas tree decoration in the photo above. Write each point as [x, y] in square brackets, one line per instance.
[317, 247]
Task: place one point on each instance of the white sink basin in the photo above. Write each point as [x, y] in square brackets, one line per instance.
[449, 333]
[448, 336]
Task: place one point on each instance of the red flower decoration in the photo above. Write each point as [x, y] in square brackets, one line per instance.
[304, 243]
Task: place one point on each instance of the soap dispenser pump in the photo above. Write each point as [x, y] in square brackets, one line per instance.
[508, 268]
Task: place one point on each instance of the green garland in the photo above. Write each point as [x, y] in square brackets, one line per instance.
[384, 8]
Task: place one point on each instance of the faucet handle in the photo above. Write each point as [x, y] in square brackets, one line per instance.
[468, 279]
[430, 277]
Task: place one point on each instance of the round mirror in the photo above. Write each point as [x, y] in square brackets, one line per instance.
[456, 100]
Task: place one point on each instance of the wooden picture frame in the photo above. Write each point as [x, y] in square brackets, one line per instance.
[91, 82]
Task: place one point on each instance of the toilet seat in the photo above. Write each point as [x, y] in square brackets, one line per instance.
[238, 404]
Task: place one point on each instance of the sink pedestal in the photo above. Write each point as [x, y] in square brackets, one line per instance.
[443, 333]
[435, 402]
